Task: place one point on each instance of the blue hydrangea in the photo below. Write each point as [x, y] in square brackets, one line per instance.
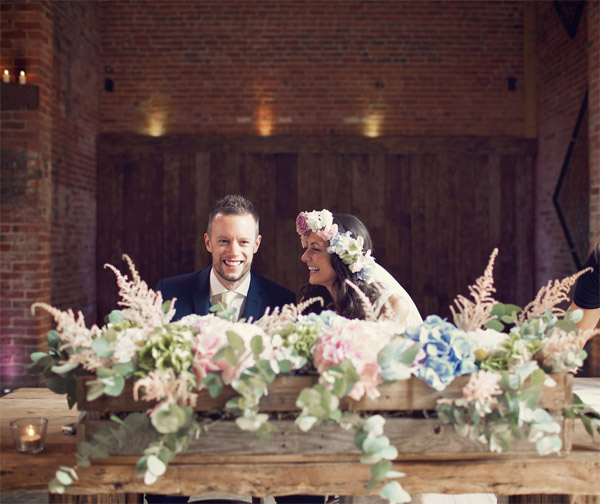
[324, 319]
[446, 352]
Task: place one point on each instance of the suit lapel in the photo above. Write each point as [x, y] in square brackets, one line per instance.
[254, 303]
[201, 295]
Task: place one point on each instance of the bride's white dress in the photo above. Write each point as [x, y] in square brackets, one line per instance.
[391, 286]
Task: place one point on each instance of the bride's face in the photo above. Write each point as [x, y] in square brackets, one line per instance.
[318, 261]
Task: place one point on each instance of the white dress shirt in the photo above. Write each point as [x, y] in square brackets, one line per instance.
[238, 296]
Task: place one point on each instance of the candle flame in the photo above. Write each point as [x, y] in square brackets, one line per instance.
[29, 430]
[22, 73]
[6, 72]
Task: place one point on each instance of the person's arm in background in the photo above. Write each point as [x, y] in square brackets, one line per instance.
[590, 317]
[587, 292]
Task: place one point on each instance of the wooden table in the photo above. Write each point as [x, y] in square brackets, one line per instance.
[577, 473]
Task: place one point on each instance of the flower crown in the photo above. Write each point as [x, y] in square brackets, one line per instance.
[348, 249]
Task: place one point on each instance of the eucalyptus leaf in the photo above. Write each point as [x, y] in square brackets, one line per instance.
[65, 368]
[256, 344]
[102, 347]
[495, 324]
[394, 493]
[235, 341]
[53, 339]
[155, 465]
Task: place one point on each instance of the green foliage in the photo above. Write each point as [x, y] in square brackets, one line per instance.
[506, 314]
[167, 347]
[515, 415]
[60, 377]
[395, 360]
[588, 417]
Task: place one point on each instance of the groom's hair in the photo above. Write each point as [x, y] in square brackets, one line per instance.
[232, 204]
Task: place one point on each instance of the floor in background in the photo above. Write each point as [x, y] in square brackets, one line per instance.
[41, 498]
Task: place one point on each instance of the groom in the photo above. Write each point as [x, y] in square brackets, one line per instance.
[232, 237]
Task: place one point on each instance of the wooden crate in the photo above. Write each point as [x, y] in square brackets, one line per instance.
[415, 438]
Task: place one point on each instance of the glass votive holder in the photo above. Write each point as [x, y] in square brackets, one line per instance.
[29, 434]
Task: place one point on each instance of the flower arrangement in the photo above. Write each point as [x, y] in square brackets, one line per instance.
[507, 353]
[349, 249]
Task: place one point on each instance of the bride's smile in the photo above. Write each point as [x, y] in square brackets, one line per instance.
[318, 260]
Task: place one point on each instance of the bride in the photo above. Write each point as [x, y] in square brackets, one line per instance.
[338, 248]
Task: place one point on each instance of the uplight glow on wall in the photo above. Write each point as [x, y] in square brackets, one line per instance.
[372, 125]
[264, 120]
[155, 123]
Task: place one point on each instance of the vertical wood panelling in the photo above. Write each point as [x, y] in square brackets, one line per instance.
[109, 248]
[394, 252]
[435, 208]
[288, 247]
[202, 206]
[172, 240]
[187, 214]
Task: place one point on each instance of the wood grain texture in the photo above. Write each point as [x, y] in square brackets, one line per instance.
[435, 206]
[578, 473]
[406, 395]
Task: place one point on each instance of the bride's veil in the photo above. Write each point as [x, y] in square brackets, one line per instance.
[391, 286]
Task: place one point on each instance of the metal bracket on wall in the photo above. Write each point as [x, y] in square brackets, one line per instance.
[571, 196]
[570, 14]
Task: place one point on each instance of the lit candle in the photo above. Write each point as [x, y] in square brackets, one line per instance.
[6, 76]
[31, 441]
[22, 77]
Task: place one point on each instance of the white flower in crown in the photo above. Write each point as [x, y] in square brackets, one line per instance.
[347, 248]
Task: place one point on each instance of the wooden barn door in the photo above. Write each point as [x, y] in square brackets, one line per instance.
[436, 207]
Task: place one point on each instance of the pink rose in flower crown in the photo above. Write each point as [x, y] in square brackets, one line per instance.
[328, 232]
[359, 341]
[302, 224]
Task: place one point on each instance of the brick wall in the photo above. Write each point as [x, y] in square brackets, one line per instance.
[352, 67]
[562, 83]
[26, 190]
[47, 219]
[75, 126]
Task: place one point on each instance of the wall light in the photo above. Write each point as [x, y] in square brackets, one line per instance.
[155, 123]
[372, 125]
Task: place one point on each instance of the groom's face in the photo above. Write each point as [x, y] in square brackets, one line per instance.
[233, 241]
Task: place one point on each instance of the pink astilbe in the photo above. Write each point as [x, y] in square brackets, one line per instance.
[144, 306]
[559, 348]
[89, 360]
[280, 317]
[470, 315]
[366, 303]
[549, 296]
[166, 388]
[71, 331]
[481, 389]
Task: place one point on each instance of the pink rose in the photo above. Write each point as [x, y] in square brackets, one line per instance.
[329, 232]
[302, 224]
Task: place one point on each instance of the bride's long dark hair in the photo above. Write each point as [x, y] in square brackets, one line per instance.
[348, 302]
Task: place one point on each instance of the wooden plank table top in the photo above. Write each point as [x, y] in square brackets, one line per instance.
[577, 473]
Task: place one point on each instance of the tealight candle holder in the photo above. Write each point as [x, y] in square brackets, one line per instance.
[29, 434]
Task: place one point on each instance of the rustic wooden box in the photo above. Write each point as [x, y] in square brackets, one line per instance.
[415, 438]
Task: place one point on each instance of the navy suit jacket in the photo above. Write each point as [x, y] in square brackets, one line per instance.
[192, 291]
